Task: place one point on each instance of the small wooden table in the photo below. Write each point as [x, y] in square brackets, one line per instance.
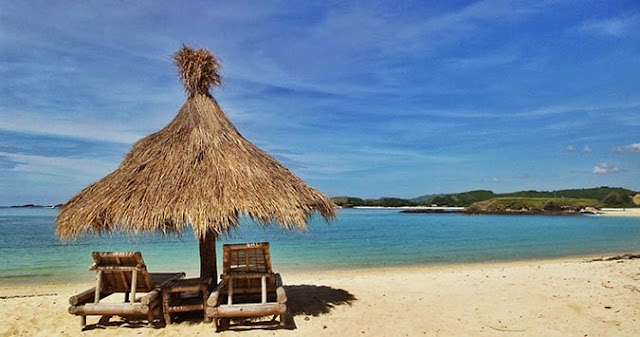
[178, 296]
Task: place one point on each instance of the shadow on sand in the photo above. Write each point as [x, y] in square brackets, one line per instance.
[315, 300]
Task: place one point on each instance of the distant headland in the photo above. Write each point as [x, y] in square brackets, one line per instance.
[33, 206]
[560, 202]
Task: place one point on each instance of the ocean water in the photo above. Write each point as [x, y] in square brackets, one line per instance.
[30, 251]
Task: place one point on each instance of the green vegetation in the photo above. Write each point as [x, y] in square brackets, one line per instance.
[382, 202]
[517, 205]
[461, 199]
[609, 196]
[606, 197]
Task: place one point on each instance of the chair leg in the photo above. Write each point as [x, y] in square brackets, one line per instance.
[104, 320]
[166, 301]
[205, 296]
[283, 319]
[83, 321]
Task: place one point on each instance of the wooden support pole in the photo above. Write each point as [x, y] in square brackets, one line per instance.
[96, 298]
[134, 284]
[208, 267]
[230, 291]
[263, 281]
[110, 309]
[247, 310]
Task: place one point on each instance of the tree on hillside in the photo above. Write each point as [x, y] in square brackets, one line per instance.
[613, 199]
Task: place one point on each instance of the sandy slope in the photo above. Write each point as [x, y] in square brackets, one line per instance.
[533, 298]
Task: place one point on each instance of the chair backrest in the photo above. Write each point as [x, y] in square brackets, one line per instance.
[246, 258]
[117, 271]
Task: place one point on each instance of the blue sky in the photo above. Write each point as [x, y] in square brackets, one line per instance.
[370, 99]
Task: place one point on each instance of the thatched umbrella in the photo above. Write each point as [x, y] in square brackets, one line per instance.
[196, 171]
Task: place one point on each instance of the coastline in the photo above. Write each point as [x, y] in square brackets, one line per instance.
[556, 297]
[630, 212]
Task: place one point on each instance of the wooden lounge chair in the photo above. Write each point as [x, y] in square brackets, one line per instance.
[122, 272]
[248, 287]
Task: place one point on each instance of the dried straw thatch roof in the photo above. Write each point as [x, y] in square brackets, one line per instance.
[198, 170]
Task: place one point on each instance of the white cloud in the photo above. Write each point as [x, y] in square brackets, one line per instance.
[585, 149]
[577, 107]
[495, 179]
[631, 148]
[43, 125]
[550, 110]
[62, 167]
[605, 168]
[617, 27]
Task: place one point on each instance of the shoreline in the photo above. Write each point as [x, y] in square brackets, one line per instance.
[299, 274]
[193, 272]
[626, 212]
[88, 277]
[553, 297]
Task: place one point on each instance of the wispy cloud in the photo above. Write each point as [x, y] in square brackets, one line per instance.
[605, 168]
[573, 149]
[45, 125]
[58, 167]
[617, 26]
[577, 107]
[631, 148]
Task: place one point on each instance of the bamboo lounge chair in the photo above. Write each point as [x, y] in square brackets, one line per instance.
[248, 287]
[122, 272]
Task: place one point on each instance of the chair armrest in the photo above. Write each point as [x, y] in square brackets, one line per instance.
[152, 296]
[86, 296]
[214, 298]
[169, 279]
[281, 295]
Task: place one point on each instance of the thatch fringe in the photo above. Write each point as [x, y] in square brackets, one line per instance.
[198, 170]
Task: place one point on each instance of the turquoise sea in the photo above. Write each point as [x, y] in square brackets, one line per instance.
[30, 251]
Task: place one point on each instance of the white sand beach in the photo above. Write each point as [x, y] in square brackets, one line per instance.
[567, 297]
[620, 211]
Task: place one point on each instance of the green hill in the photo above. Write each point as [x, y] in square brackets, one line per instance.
[460, 199]
[524, 205]
[606, 196]
[382, 202]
